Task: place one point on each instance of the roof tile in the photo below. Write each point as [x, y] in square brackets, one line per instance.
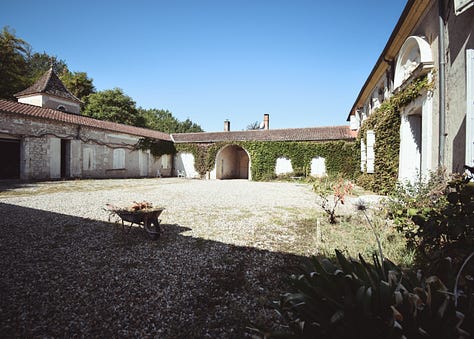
[49, 83]
[51, 114]
[287, 134]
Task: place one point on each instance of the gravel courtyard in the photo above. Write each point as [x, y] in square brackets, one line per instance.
[67, 270]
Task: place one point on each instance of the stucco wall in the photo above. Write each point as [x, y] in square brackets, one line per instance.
[184, 162]
[460, 32]
[459, 36]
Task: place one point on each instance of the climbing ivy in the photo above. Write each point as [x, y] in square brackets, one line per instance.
[385, 122]
[156, 147]
[341, 156]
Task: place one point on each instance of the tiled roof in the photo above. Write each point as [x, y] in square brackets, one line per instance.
[288, 134]
[51, 114]
[49, 83]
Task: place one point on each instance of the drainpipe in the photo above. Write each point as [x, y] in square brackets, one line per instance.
[442, 85]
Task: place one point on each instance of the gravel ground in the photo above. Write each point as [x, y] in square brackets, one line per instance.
[67, 270]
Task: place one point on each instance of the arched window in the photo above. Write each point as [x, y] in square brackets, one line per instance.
[61, 108]
[415, 59]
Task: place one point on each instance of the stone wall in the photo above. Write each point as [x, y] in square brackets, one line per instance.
[53, 150]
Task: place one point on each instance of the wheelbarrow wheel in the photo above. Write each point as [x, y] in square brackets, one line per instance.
[152, 228]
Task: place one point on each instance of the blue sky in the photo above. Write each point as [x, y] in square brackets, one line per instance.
[303, 62]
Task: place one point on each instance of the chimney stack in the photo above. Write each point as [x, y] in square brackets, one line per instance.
[266, 121]
[226, 125]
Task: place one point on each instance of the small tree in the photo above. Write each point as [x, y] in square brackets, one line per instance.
[331, 194]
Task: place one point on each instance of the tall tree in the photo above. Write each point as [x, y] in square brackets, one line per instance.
[78, 83]
[113, 105]
[40, 63]
[13, 64]
[164, 121]
[187, 126]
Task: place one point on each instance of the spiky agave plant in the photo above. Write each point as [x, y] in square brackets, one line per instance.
[355, 299]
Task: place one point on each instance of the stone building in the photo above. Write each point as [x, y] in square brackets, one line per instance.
[234, 161]
[43, 136]
[436, 39]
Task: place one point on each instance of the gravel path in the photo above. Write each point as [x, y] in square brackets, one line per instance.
[67, 271]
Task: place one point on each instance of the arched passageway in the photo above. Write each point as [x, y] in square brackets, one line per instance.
[232, 162]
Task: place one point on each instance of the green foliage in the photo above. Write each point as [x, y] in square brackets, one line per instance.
[13, 64]
[355, 299]
[164, 121]
[341, 156]
[113, 105]
[436, 216]
[78, 83]
[20, 68]
[156, 147]
[204, 155]
[448, 230]
[40, 63]
[385, 122]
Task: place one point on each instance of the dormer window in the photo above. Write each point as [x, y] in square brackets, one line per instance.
[61, 108]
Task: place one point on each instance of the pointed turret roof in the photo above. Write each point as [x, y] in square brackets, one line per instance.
[50, 84]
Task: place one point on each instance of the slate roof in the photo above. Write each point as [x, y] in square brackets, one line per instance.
[55, 115]
[49, 83]
[287, 134]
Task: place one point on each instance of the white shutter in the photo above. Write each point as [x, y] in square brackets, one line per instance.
[363, 155]
[54, 158]
[470, 107]
[370, 151]
[119, 159]
[88, 159]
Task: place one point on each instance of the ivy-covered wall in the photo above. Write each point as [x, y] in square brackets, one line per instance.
[342, 157]
[385, 122]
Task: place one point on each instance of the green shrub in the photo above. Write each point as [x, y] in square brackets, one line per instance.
[436, 216]
[355, 299]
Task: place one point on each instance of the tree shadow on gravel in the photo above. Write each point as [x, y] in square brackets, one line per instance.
[64, 276]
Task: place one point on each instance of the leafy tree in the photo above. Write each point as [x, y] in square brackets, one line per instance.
[187, 126]
[164, 121]
[77, 83]
[13, 64]
[40, 63]
[113, 105]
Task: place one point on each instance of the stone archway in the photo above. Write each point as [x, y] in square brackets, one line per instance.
[417, 124]
[232, 162]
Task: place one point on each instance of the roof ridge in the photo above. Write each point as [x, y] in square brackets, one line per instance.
[57, 115]
[269, 130]
[49, 83]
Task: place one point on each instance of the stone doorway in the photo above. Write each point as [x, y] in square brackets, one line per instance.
[232, 162]
[10, 154]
